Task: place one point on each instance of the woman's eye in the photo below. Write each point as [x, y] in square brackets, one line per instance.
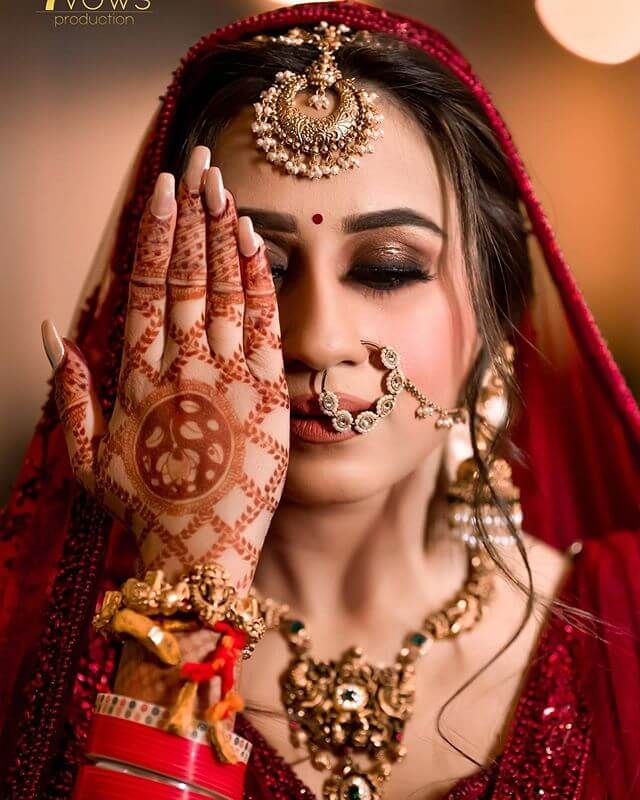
[381, 280]
[278, 273]
[278, 268]
[376, 279]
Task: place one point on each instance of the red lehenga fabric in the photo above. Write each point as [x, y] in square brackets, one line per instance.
[579, 430]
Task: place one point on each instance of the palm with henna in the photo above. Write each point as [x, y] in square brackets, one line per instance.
[195, 454]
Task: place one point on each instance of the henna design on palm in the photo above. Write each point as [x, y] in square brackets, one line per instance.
[195, 454]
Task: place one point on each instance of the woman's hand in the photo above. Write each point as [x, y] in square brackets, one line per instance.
[195, 454]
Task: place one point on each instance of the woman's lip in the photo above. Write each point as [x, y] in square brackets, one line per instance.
[306, 405]
[318, 430]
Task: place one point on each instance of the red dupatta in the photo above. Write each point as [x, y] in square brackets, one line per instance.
[580, 431]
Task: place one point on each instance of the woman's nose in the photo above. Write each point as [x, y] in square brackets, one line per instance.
[319, 327]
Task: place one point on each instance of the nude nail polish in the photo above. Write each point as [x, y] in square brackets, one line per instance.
[162, 201]
[214, 192]
[198, 162]
[248, 239]
[53, 344]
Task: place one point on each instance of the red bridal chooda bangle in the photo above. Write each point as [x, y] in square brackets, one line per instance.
[130, 754]
[148, 610]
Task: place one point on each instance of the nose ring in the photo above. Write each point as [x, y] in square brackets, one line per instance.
[395, 382]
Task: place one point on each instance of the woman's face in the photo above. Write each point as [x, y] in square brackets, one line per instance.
[372, 253]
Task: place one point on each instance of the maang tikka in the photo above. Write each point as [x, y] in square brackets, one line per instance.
[312, 146]
[395, 382]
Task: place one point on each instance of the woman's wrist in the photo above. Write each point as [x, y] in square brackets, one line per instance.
[179, 637]
[142, 676]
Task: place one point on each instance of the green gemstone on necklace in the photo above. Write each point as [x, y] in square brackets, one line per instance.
[295, 626]
[418, 639]
[357, 787]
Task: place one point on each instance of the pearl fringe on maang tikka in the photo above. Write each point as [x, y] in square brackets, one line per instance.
[305, 145]
[395, 382]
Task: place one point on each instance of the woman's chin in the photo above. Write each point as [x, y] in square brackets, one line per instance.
[354, 468]
[338, 480]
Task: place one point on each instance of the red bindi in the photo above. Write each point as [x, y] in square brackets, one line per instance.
[317, 218]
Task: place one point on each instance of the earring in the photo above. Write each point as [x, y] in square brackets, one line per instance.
[463, 517]
[395, 382]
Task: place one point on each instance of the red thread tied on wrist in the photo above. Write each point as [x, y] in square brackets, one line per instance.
[193, 671]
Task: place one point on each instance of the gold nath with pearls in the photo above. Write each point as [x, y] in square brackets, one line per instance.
[306, 145]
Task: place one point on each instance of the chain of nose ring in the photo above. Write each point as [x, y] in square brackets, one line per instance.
[394, 382]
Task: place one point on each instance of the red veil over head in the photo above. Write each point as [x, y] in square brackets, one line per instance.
[580, 431]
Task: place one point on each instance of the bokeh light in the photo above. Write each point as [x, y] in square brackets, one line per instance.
[606, 31]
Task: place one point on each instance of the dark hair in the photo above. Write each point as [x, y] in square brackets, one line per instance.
[493, 226]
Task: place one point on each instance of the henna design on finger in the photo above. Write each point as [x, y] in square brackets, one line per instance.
[145, 311]
[224, 289]
[178, 294]
[152, 250]
[72, 384]
[144, 296]
[261, 335]
[186, 277]
[225, 305]
[73, 396]
[189, 262]
[257, 274]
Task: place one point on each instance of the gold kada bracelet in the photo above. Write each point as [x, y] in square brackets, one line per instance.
[204, 595]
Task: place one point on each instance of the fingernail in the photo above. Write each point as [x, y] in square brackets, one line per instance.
[162, 202]
[248, 239]
[198, 162]
[214, 192]
[53, 344]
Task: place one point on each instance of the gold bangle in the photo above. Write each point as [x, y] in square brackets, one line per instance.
[205, 593]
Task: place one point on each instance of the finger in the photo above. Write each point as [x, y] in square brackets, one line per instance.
[187, 276]
[144, 327]
[77, 402]
[225, 294]
[261, 337]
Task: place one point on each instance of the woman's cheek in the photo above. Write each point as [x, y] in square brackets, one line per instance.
[433, 349]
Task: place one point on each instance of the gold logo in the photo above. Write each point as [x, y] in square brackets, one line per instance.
[79, 13]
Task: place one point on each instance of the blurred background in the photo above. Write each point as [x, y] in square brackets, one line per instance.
[75, 101]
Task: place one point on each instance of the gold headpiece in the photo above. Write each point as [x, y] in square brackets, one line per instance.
[310, 146]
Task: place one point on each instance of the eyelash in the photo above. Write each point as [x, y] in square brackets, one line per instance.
[398, 278]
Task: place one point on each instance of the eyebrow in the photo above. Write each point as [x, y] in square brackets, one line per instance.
[353, 223]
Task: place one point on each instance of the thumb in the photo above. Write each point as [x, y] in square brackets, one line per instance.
[78, 406]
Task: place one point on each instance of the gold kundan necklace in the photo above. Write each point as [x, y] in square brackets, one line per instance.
[339, 709]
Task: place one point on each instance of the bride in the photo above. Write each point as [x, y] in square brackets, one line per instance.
[328, 372]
